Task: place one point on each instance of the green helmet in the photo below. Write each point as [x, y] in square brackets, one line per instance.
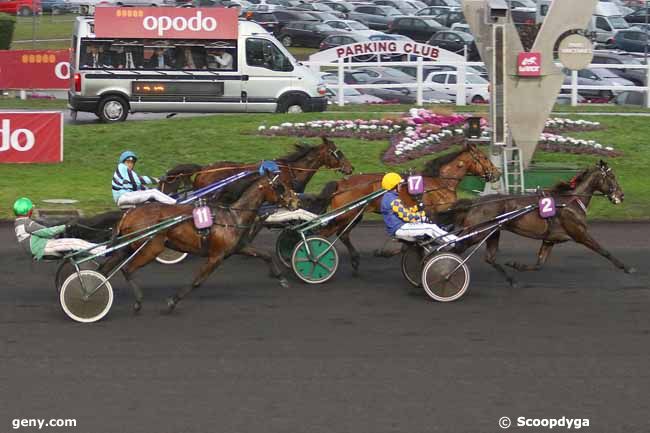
[23, 206]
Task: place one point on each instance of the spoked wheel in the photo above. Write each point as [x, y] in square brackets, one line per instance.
[170, 257]
[445, 277]
[315, 260]
[66, 269]
[82, 301]
[412, 265]
[284, 246]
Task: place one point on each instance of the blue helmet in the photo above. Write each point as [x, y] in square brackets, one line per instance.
[128, 155]
[269, 167]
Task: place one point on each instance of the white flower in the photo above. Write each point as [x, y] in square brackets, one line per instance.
[261, 128]
[398, 152]
[274, 128]
[300, 125]
[598, 146]
[611, 149]
[286, 125]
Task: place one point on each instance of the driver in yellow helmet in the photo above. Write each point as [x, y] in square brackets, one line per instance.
[405, 222]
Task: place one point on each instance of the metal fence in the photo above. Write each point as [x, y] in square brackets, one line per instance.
[461, 70]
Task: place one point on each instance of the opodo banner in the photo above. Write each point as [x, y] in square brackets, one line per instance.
[35, 69]
[168, 23]
[35, 136]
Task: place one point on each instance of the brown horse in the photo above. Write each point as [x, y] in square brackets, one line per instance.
[297, 168]
[441, 179]
[570, 222]
[225, 237]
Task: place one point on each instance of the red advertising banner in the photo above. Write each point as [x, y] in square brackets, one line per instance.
[27, 137]
[35, 69]
[529, 64]
[167, 23]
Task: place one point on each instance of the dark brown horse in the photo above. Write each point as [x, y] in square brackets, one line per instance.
[569, 223]
[297, 168]
[441, 179]
[225, 237]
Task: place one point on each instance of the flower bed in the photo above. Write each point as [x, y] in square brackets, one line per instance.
[557, 125]
[561, 144]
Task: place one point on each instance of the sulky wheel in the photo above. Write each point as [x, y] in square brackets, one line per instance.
[67, 268]
[170, 257]
[317, 265]
[412, 265]
[445, 277]
[86, 303]
[285, 244]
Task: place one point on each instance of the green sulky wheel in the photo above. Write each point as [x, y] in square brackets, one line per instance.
[317, 265]
[445, 277]
[285, 244]
[86, 308]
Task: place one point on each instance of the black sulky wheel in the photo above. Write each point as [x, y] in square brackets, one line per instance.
[170, 257]
[412, 265]
[285, 244]
[445, 277]
[66, 269]
[86, 296]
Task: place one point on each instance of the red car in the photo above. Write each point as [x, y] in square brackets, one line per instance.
[20, 7]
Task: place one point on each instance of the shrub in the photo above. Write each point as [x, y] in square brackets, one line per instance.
[7, 24]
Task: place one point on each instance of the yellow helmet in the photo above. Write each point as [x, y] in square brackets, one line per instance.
[391, 180]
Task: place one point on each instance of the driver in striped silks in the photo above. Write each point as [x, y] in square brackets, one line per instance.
[129, 187]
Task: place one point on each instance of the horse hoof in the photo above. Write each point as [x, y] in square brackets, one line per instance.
[284, 283]
[169, 308]
[630, 270]
[137, 307]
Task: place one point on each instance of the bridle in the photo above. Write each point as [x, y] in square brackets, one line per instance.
[488, 175]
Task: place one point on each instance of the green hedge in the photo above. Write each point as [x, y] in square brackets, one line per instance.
[7, 24]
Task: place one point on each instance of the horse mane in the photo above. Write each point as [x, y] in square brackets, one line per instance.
[564, 186]
[185, 169]
[301, 150]
[231, 193]
[432, 168]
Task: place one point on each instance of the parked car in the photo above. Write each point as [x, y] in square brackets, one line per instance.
[427, 70]
[352, 26]
[56, 7]
[456, 42]
[450, 18]
[401, 5]
[524, 16]
[637, 76]
[417, 4]
[603, 78]
[522, 4]
[638, 16]
[630, 98]
[375, 17]
[433, 11]
[320, 7]
[476, 88]
[445, 3]
[461, 27]
[350, 96]
[322, 16]
[20, 7]
[281, 3]
[265, 19]
[340, 6]
[419, 29]
[304, 33]
[631, 40]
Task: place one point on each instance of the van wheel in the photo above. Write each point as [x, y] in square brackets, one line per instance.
[478, 100]
[286, 41]
[24, 11]
[113, 109]
[292, 104]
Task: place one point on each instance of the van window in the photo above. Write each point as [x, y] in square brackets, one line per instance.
[262, 53]
[602, 24]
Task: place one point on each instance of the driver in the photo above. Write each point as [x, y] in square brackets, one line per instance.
[38, 241]
[403, 222]
[129, 188]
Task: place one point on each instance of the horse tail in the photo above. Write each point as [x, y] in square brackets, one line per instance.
[319, 203]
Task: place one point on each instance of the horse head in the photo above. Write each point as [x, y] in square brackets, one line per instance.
[278, 191]
[605, 182]
[333, 157]
[479, 164]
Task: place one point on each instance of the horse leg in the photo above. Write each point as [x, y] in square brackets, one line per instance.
[147, 255]
[276, 272]
[204, 273]
[386, 253]
[137, 291]
[584, 238]
[355, 257]
[491, 249]
[542, 256]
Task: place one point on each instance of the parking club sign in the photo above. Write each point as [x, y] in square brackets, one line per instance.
[529, 64]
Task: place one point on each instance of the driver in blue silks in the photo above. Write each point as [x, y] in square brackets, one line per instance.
[129, 188]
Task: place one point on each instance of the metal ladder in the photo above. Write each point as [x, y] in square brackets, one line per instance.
[513, 170]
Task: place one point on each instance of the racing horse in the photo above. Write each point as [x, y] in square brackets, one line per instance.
[569, 224]
[296, 169]
[441, 178]
[224, 238]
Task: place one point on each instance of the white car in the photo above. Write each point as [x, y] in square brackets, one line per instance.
[352, 26]
[351, 96]
[476, 87]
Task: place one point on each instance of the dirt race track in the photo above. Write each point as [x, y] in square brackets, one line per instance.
[359, 354]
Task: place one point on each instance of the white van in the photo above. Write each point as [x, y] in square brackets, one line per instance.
[114, 76]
